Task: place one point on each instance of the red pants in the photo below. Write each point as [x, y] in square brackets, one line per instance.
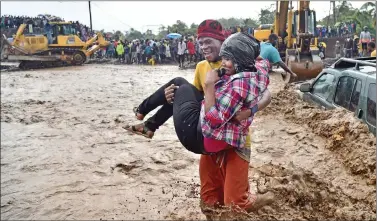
[226, 185]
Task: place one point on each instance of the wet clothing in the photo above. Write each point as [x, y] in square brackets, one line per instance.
[234, 93]
[269, 52]
[200, 76]
[185, 111]
[186, 115]
[242, 50]
[224, 180]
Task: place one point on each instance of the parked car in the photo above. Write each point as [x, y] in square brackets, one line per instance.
[348, 83]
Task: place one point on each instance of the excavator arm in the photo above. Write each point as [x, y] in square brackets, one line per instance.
[303, 59]
[281, 17]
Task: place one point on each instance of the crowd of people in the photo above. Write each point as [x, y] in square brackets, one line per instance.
[152, 51]
[42, 24]
[353, 46]
[341, 29]
[186, 48]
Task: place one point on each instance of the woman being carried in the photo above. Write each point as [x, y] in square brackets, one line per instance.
[203, 124]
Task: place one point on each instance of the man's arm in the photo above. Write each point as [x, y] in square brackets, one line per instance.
[262, 103]
[265, 100]
[286, 68]
[220, 112]
[275, 58]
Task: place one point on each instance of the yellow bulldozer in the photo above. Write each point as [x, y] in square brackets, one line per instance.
[298, 41]
[34, 50]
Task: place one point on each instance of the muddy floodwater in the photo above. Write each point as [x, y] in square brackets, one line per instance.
[64, 154]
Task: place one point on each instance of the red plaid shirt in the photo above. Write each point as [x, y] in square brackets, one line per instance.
[234, 93]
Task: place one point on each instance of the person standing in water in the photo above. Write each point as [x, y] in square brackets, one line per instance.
[223, 182]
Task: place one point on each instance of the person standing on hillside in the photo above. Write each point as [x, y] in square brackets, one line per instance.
[338, 49]
[348, 45]
[365, 38]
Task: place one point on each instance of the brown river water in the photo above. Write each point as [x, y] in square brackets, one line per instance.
[64, 154]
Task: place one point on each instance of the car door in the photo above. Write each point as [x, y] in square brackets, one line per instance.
[348, 92]
[321, 90]
[370, 106]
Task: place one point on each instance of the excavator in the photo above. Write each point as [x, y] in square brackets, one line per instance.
[297, 38]
[66, 48]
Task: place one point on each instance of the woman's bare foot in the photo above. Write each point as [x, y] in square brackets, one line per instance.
[137, 114]
[261, 201]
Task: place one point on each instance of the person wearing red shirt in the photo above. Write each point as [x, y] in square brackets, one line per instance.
[191, 49]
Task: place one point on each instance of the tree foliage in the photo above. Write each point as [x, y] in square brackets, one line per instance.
[344, 12]
[267, 15]
[365, 16]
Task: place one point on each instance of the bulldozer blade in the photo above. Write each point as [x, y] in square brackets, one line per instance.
[305, 70]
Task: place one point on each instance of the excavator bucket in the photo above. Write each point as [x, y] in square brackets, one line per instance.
[305, 66]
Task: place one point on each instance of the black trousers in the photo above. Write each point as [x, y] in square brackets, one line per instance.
[181, 59]
[185, 111]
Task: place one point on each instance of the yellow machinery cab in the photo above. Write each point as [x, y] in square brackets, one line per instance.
[64, 35]
[263, 31]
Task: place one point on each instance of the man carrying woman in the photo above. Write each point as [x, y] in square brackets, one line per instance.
[212, 116]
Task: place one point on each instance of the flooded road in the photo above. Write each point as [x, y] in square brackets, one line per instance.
[64, 154]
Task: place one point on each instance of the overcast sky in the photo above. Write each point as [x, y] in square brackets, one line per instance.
[119, 15]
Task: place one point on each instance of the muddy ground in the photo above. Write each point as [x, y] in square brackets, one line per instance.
[64, 154]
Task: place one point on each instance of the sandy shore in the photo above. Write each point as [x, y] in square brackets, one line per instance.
[64, 154]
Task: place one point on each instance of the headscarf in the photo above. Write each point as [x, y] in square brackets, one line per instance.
[242, 49]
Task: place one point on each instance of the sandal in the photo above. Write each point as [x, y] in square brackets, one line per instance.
[143, 133]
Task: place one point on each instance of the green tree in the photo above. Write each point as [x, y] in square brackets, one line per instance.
[370, 8]
[118, 35]
[365, 16]
[249, 22]
[179, 27]
[230, 22]
[149, 35]
[162, 32]
[267, 15]
[134, 34]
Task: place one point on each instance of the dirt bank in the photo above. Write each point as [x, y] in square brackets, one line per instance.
[64, 154]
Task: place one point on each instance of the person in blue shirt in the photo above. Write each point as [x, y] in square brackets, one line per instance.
[48, 31]
[270, 53]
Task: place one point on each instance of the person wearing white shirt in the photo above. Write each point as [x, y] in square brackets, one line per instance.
[181, 52]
